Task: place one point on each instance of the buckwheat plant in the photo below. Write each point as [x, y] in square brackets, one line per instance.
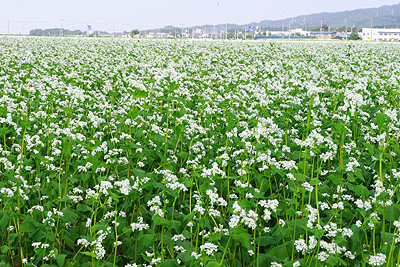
[122, 152]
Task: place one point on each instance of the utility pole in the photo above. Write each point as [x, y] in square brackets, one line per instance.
[61, 29]
[321, 31]
[8, 27]
[113, 30]
[226, 32]
[371, 27]
[283, 29]
[345, 26]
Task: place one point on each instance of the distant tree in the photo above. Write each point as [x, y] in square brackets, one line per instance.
[75, 32]
[342, 29]
[231, 35]
[36, 32]
[134, 32]
[354, 35]
[249, 36]
[318, 28]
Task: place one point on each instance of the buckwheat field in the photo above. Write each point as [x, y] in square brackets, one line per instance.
[123, 152]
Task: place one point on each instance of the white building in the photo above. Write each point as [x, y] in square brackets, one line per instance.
[380, 34]
[300, 31]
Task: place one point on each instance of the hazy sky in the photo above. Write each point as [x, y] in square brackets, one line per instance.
[23, 15]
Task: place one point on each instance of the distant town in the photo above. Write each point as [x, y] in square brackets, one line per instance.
[375, 24]
[249, 33]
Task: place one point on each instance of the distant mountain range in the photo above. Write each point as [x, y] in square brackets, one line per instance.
[384, 16]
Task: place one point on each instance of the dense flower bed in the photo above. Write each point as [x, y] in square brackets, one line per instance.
[119, 152]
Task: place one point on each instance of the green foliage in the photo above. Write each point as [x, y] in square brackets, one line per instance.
[134, 32]
[214, 153]
[354, 36]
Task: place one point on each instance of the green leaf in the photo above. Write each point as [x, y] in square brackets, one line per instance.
[69, 216]
[332, 261]
[265, 240]
[174, 225]
[83, 208]
[334, 178]
[12, 178]
[299, 177]
[183, 154]
[71, 236]
[370, 148]
[318, 233]
[240, 235]
[169, 263]
[358, 173]
[286, 232]
[133, 114]
[212, 264]
[266, 259]
[5, 219]
[157, 220]
[392, 212]
[90, 254]
[302, 223]
[98, 227]
[27, 124]
[355, 238]
[139, 94]
[361, 190]
[188, 217]
[146, 239]
[95, 162]
[339, 127]
[185, 257]
[290, 263]
[4, 131]
[27, 227]
[60, 260]
[67, 147]
[114, 196]
[128, 247]
[280, 251]
[380, 119]
[246, 204]
[4, 249]
[3, 111]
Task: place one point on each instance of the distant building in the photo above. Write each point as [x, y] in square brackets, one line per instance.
[278, 33]
[380, 34]
[158, 35]
[342, 35]
[323, 35]
[300, 31]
